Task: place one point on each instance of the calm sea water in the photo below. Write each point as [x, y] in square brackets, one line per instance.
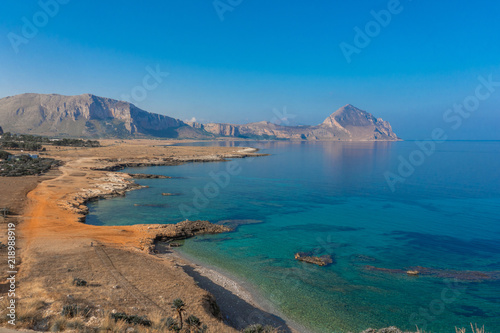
[332, 198]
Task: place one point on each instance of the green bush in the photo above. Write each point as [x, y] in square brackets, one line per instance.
[4, 155]
[26, 166]
[131, 319]
[171, 324]
[79, 282]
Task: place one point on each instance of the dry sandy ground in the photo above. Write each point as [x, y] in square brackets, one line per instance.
[55, 248]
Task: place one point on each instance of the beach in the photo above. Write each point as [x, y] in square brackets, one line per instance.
[118, 263]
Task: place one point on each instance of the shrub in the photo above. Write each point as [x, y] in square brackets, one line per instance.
[171, 324]
[194, 325]
[4, 155]
[25, 166]
[70, 310]
[74, 310]
[79, 282]
[193, 321]
[131, 319]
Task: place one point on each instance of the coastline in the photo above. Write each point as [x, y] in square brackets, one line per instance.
[52, 227]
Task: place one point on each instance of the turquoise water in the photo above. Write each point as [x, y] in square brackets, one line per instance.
[332, 198]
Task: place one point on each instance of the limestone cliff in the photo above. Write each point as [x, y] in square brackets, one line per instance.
[86, 116]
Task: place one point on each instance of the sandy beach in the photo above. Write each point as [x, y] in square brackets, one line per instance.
[119, 263]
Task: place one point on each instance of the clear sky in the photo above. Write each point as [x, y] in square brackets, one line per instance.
[263, 56]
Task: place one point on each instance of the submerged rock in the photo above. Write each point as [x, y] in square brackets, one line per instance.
[320, 261]
[362, 258]
[146, 176]
[472, 276]
[235, 224]
[391, 329]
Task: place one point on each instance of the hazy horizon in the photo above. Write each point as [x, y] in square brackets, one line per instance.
[242, 61]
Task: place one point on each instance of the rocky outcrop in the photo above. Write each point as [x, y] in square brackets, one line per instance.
[111, 185]
[87, 116]
[187, 229]
[222, 129]
[172, 232]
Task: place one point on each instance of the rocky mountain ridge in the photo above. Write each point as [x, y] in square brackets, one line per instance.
[346, 124]
[99, 117]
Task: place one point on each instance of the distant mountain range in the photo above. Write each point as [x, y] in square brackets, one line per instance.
[98, 117]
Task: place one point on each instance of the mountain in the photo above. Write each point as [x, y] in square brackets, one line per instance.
[98, 117]
[346, 124]
[87, 116]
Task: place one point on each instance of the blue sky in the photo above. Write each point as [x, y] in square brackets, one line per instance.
[263, 56]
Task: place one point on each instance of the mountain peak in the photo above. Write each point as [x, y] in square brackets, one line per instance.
[348, 108]
[359, 123]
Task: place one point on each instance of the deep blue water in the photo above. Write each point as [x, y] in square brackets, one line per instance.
[332, 198]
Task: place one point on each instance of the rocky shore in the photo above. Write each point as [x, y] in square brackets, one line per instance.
[173, 232]
[111, 185]
[110, 164]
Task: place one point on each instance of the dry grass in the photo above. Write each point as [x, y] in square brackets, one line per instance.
[110, 325]
[60, 324]
[474, 329]
[30, 313]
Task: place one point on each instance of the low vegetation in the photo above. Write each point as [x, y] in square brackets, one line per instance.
[51, 316]
[24, 165]
[43, 316]
[34, 142]
[131, 319]
[79, 282]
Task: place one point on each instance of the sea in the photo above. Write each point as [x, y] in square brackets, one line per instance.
[378, 209]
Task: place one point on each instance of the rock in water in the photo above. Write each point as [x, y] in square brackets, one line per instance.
[320, 261]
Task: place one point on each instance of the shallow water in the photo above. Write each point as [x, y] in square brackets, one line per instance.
[332, 198]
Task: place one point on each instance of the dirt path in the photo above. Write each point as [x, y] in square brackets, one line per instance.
[122, 281]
